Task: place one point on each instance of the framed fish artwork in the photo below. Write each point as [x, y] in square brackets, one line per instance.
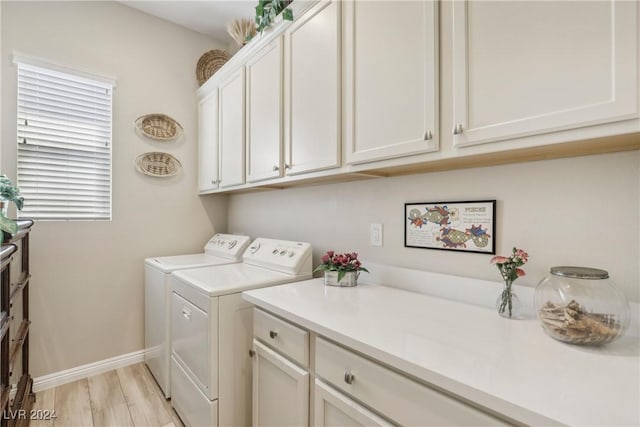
[455, 226]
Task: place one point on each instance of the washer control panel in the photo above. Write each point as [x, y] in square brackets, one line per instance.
[281, 255]
[227, 245]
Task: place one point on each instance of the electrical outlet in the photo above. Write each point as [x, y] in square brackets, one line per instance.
[375, 234]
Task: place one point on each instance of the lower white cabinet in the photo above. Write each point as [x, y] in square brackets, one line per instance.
[280, 389]
[334, 409]
[347, 388]
[391, 394]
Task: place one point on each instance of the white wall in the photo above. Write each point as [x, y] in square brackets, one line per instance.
[576, 211]
[87, 287]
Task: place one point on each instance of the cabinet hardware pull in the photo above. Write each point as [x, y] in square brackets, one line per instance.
[273, 334]
[276, 168]
[186, 313]
[252, 353]
[287, 166]
[349, 377]
[428, 135]
[458, 129]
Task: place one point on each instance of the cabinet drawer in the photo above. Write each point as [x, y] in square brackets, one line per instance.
[290, 340]
[393, 395]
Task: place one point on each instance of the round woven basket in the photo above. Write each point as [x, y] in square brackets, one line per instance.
[158, 164]
[159, 126]
[209, 63]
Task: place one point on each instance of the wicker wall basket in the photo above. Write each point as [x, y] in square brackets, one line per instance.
[158, 164]
[209, 63]
[159, 127]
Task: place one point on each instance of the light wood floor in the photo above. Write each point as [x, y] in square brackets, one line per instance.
[124, 397]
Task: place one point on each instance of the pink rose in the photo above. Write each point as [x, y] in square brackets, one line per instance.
[499, 259]
[330, 254]
[520, 272]
[522, 255]
[354, 255]
[326, 258]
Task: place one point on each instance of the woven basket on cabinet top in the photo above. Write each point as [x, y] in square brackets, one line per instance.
[209, 63]
[159, 126]
[158, 164]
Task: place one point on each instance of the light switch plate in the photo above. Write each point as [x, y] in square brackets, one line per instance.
[375, 234]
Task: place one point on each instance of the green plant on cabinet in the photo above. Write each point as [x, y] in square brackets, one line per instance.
[267, 10]
[9, 193]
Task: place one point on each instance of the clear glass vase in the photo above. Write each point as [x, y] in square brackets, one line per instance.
[508, 304]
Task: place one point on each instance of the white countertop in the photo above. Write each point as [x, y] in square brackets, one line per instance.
[509, 366]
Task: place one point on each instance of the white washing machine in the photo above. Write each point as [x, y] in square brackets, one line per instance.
[212, 329]
[220, 249]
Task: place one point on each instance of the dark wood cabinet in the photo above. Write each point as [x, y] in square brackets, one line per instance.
[16, 384]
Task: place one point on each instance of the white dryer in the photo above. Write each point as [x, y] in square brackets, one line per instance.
[212, 330]
[220, 249]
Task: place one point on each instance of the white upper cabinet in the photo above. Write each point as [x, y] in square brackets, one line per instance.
[264, 113]
[312, 90]
[208, 142]
[531, 67]
[231, 132]
[390, 71]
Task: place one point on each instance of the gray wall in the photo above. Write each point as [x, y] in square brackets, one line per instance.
[576, 211]
[87, 287]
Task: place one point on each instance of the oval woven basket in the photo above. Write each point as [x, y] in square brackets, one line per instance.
[209, 63]
[158, 164]
[159, 126]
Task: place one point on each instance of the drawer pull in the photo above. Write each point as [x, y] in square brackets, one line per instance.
[186, 313]
[252, 353]
[273, 334]
[349, 377]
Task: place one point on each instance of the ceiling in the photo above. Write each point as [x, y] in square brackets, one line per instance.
[209, 17]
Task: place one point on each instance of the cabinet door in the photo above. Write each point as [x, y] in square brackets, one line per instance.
[312, 90]
[280, 390]
[531, 67]
[390, 79]
[264, 113]
[231, 133]
[334, 409]
[208, 142]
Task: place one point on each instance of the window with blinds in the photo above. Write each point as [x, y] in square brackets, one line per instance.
[64, 145]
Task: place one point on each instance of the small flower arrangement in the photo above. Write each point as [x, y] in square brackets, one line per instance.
[342, 263]
[510, 270]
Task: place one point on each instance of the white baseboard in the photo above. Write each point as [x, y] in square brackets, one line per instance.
[69, 375]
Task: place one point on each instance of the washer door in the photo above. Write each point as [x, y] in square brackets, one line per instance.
[193, 342]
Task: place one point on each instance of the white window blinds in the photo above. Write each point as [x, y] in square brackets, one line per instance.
[64, 145]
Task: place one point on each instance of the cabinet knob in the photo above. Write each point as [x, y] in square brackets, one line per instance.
[214, 181]
[252, 353]
[276, 168]
[273, 334]
[287, 166]
[458, 129]
[349, 377]
[428, 135]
